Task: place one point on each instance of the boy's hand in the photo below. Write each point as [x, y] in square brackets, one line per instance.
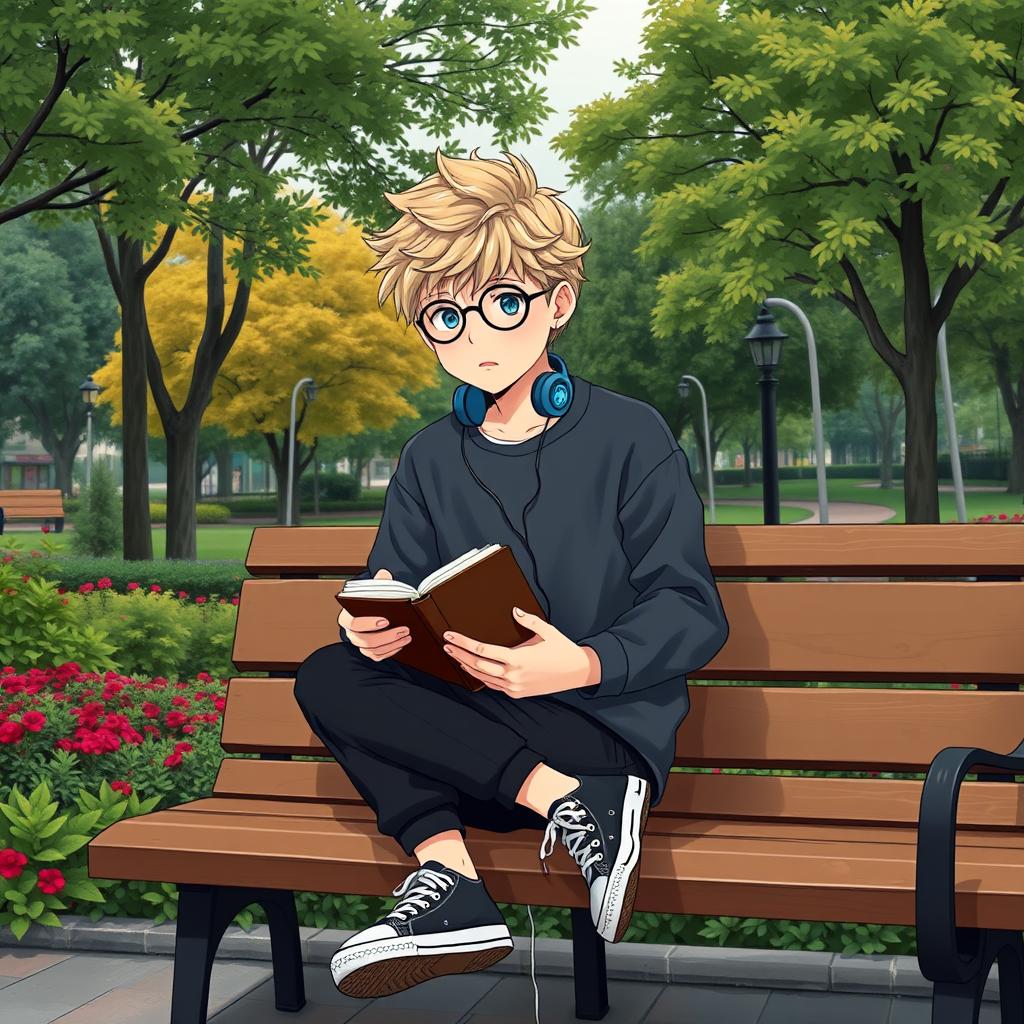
[374, 641]
[547, 663]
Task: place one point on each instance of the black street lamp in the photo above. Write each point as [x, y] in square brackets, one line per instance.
[766, 348]
[89, 389]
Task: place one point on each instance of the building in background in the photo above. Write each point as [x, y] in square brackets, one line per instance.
[25, 464]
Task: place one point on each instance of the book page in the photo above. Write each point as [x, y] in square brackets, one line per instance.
[378, 588]
[452, 568]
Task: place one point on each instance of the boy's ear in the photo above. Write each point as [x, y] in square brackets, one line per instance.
[565, 303]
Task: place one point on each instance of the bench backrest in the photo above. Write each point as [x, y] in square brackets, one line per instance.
[32, 503]
[930, 629]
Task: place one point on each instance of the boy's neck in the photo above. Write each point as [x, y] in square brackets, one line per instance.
[511, 415]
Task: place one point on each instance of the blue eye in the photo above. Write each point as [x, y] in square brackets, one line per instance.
[450, 318]
[509, 304]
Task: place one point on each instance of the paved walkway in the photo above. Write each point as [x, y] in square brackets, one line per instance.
[40, 986]
[838, 511]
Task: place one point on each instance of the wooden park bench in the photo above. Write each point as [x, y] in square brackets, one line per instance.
[29, 503]
[783, 847]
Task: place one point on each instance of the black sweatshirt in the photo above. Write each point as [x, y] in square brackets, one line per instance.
[617, 532]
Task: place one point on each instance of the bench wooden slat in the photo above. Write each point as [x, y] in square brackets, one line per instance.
[303, 786]
[774, 873]
[842, 729]
[32, 502]
[885, 632]
[901, 549]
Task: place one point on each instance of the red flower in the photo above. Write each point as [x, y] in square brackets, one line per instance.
[182, 748]
[174, 719]
[11, 862]
[122, 787]
[955, 686]
[204, 677]
[1002, 515]
[180, 702]
[188, 728]
[200, 600]
[222, 600]
[45, 527]
[716, 771]
[150, 710]
[105, 583]
[132, 586]
[172, 760]
[33, 720]
[234, 600]
[64, 744]
[155, 587]
[86, 587]
[181, 593]
[11, 732]
[25, 579]
[50, 880]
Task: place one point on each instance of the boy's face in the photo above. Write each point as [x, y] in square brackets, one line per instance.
[492, 347]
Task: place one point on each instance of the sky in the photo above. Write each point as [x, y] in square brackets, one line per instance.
[575, 76]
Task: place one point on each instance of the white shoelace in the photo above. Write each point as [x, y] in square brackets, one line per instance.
[419, 898]
[567, 817]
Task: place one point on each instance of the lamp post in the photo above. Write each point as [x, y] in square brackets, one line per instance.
[954, 440]
[766, 340]
[819, 433]
[310, 396]
[89, 390]
[684, 391]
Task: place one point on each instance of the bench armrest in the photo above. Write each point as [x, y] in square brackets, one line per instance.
[938, 950]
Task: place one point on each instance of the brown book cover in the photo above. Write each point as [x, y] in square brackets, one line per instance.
[475, 600]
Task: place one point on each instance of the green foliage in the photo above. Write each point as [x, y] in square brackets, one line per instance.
[38, 629]
[371, 500]
[98, 524]
[840, 145]
[35, 827]
[206, 512]
[333, 486]
[156, 634]
[213, 579]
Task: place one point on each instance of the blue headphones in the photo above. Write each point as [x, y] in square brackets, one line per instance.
[551, 395]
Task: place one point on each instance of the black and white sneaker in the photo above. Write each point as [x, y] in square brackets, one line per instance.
[600, 823]
[447, 924]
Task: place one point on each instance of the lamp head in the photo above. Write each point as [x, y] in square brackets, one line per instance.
[766, 340]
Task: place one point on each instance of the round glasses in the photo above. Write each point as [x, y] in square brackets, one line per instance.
[502, 306]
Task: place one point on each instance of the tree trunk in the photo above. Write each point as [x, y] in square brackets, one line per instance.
[224, 469]
[748, 473]
[920, 473]
[1016, 481]
[182, 456]
[138, 537]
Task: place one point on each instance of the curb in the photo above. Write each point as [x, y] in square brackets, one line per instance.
[626, 961]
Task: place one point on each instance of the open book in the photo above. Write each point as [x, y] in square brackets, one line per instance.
[473, 595]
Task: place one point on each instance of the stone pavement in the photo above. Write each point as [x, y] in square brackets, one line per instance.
[43, 986]
[838, 511]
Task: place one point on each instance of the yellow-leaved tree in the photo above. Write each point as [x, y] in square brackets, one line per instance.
[327, 327]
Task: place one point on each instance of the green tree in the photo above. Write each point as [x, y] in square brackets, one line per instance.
[97, 529]
[76, 121]
[57, 322]
[857, 146]
[337, 88]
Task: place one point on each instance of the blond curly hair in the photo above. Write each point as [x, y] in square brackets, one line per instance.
[474, 220]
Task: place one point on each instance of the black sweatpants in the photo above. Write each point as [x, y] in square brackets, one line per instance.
[429, 756]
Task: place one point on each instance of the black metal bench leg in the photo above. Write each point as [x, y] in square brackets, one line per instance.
[59, 528]
[588, 965]
[959, 1002]
[204, 912]
[285, 949]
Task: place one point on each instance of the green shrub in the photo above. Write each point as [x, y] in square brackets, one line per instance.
[40, 629]
[332, 486]
[98, 529]
[207, 512]
[212, 578]
[371, 500]
[156, 634]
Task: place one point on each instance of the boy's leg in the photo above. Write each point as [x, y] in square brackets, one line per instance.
[425, 754]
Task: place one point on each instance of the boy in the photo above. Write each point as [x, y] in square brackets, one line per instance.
[575, 725]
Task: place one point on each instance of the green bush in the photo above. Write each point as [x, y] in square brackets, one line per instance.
[40, 629]
[332, 486]
[371, 500]
[156, 634]
[212, 578]
[98, 529]
[207, 512]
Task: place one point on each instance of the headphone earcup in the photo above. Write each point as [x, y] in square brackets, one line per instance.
[552, 392]
[469, 404]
